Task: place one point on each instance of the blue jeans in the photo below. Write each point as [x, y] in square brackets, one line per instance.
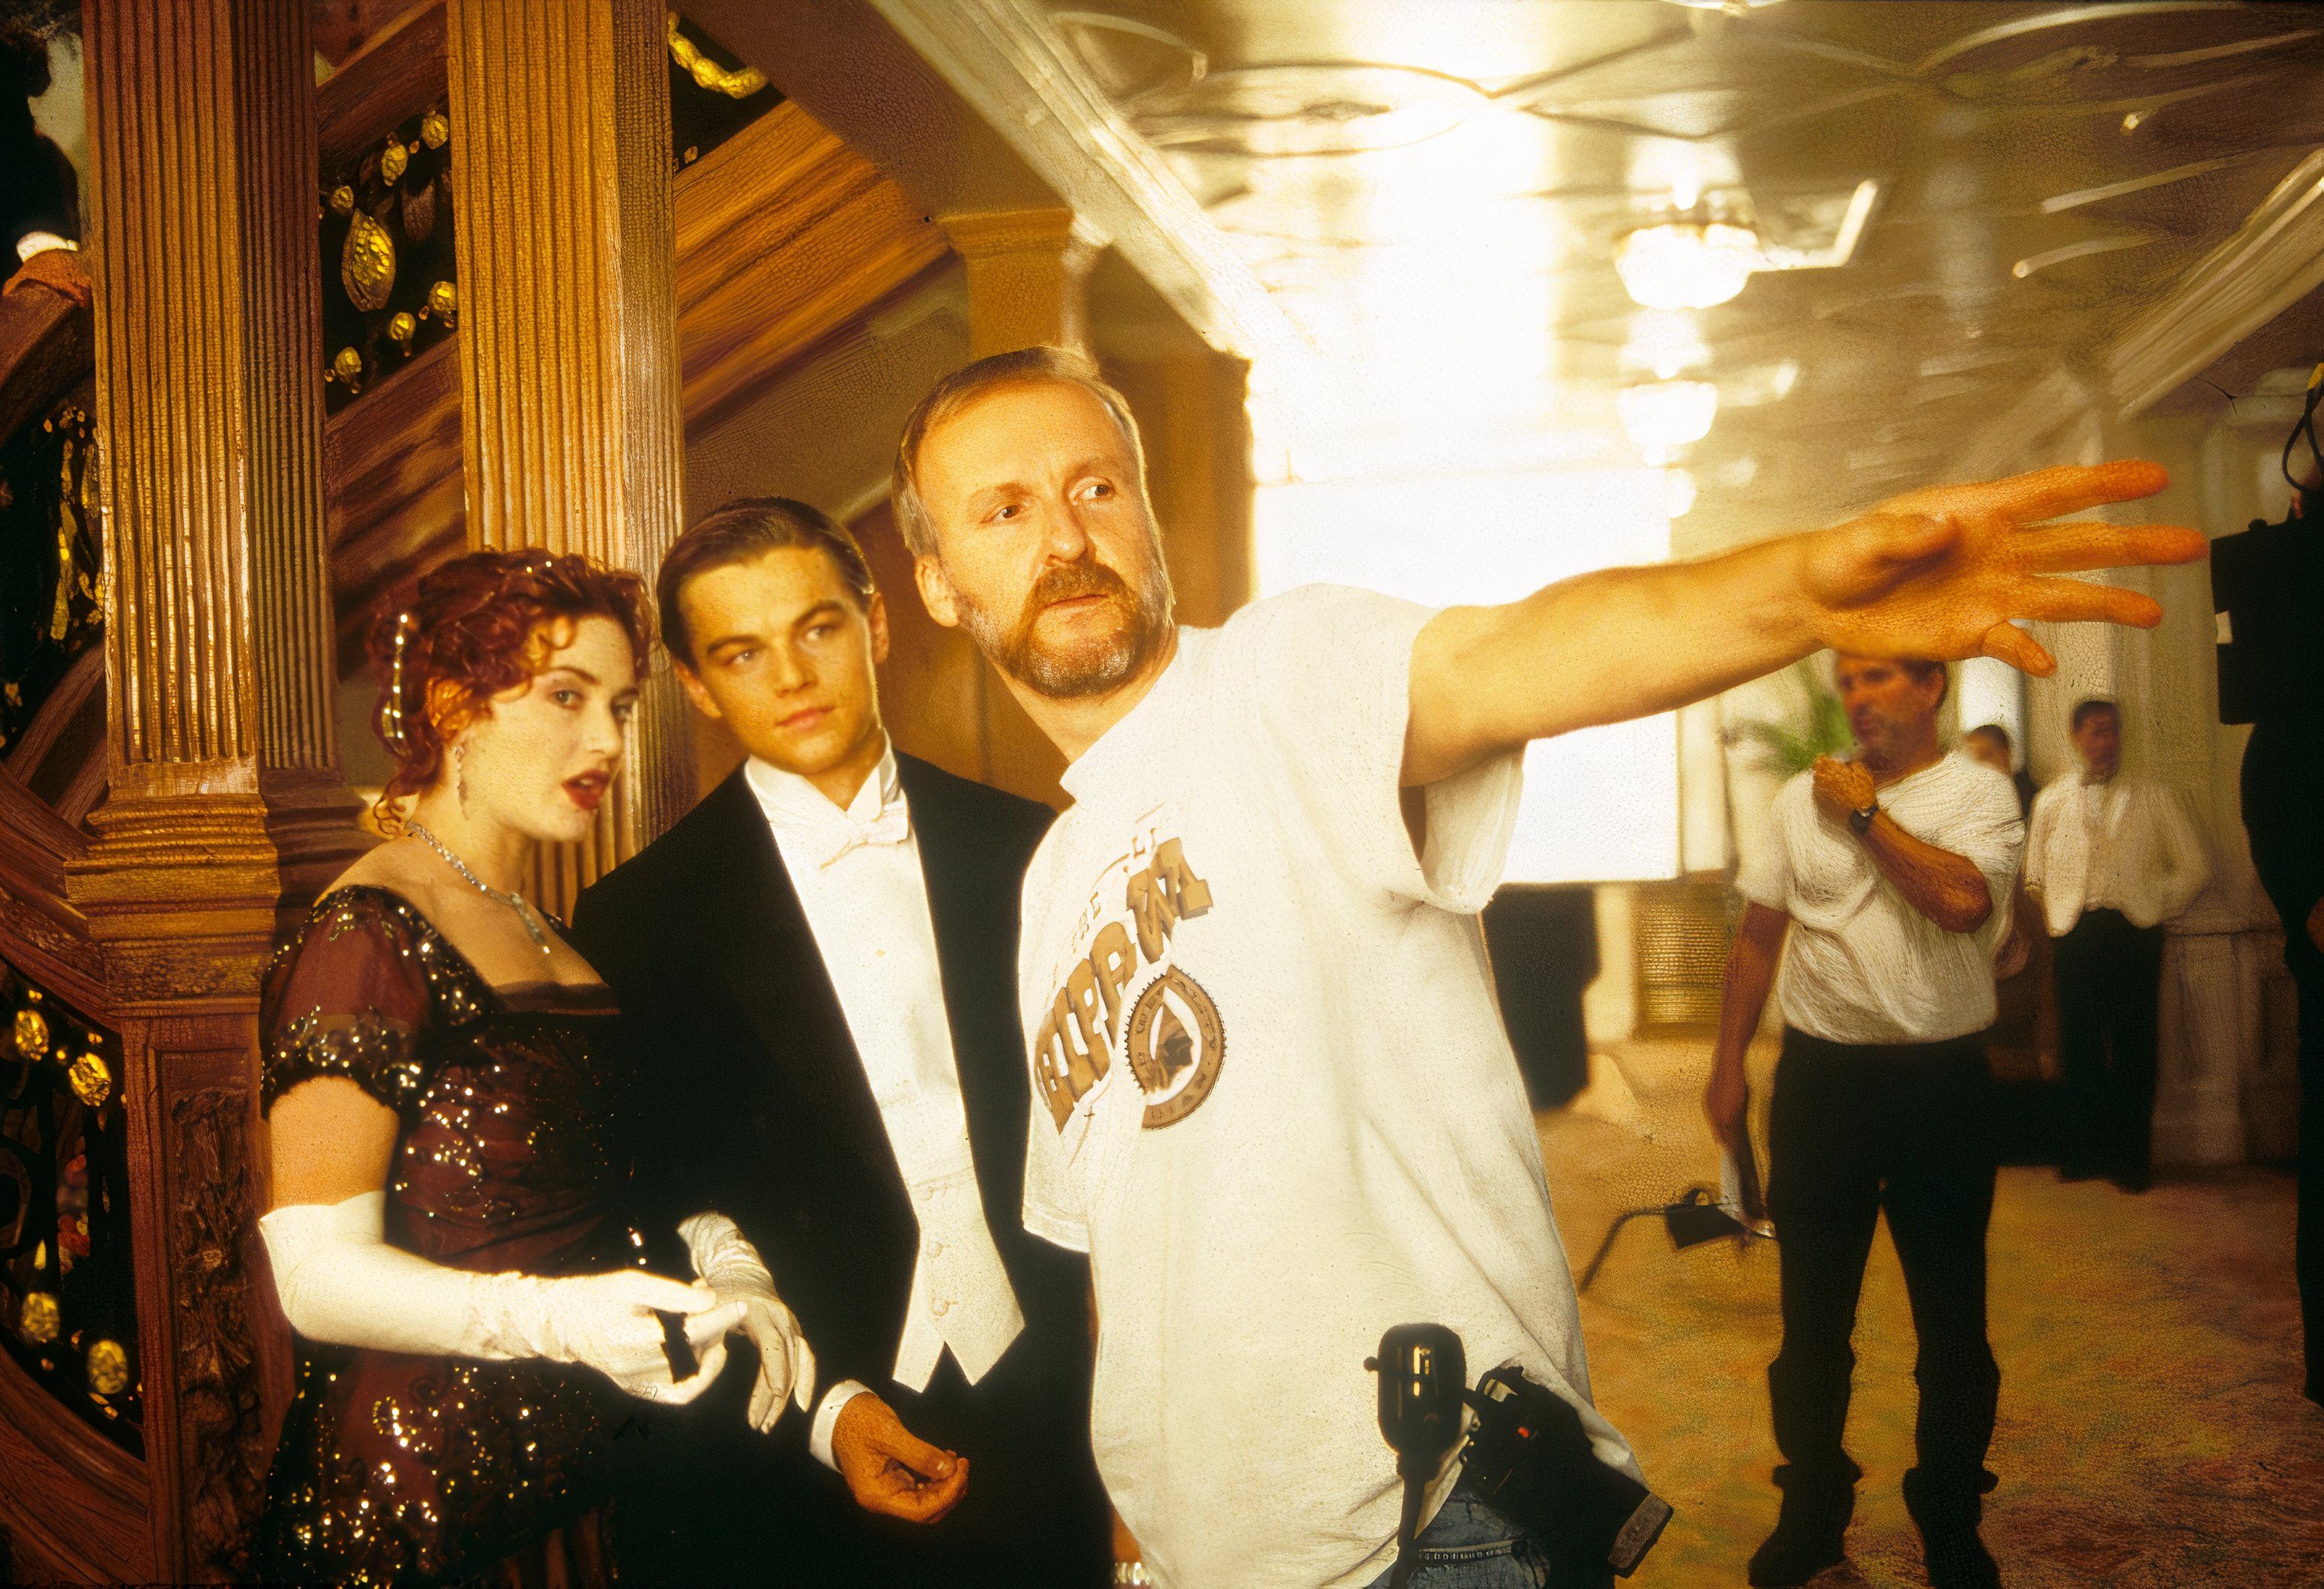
[1470, 1545]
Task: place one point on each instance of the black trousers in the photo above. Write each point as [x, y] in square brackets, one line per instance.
[2306, 965]
[2283, 768]
[1858, 1130]
[2109, 976]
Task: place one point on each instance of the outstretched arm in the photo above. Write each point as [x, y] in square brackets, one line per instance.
[1945, 572]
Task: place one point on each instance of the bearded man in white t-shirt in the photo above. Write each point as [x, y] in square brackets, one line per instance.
[1273, 1101]
[1882, 891]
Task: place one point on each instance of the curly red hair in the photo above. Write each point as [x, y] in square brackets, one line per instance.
[477, 625]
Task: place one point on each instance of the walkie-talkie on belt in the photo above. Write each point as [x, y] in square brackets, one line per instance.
[1528, 1457]
[1423, 1377]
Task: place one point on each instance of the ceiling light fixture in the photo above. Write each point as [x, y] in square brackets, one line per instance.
[1667, 414]
[1686, 264]
[1664, 341]
[1700, 264]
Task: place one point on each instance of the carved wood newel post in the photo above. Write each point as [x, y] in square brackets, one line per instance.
[571, 425]
[225, 811]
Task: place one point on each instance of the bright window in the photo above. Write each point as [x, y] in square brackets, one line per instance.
[1601, 805]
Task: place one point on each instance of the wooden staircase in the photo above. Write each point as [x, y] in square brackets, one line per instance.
[785, 238]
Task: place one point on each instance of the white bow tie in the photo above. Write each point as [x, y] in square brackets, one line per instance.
[891, 826]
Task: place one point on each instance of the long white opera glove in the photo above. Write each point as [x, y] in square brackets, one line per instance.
[725, 1259]
[340, 1282]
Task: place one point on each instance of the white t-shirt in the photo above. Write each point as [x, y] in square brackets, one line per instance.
[1860, 964]
[1273, 1099]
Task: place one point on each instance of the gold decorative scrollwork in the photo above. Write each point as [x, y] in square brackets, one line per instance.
[31, 1034]
[367, 263]
[444, 302]
[91, 1080]
[109, 1368]
[708, 73]
[39, 1319]
[384, 227]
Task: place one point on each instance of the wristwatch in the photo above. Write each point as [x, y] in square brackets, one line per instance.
[1859, 823]
[1132, 1573]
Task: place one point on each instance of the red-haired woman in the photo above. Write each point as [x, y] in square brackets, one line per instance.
[449, 1236]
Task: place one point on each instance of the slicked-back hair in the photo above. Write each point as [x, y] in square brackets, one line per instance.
[2087, 709]
[739, 531]
[1027, 366]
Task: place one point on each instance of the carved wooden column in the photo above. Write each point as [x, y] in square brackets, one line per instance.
[571, 424]
[1026, 272]
[225, 811]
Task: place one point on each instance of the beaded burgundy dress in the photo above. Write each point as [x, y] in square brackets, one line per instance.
[394, 1468]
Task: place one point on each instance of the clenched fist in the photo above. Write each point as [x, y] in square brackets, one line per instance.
[1843, 787]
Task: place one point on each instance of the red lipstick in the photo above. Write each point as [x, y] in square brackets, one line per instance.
[587, 789]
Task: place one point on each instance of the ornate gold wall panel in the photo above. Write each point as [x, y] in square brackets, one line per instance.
[571, 428]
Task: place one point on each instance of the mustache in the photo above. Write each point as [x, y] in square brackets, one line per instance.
[1071, 579]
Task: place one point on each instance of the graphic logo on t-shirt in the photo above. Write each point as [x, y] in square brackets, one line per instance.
[1173, 1035]
[1176, 1043]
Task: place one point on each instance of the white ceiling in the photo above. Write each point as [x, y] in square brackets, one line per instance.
[1432, 193]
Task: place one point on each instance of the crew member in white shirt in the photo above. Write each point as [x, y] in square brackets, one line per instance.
[1275, 1102]
[2110, 858]
[1882, 890]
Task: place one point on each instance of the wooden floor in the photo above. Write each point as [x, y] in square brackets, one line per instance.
[2150, 1430]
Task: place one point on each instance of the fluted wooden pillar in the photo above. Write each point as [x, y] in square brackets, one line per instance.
[225, 811]
[571, 425]
[1026, 270]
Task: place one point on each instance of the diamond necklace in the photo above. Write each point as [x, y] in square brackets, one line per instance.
[514, 901]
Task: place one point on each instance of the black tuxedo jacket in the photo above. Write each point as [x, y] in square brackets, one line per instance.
[749, 1098]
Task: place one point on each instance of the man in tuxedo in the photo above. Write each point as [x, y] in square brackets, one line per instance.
[816, 967]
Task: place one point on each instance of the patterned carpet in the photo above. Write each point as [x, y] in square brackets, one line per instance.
[2151, 1432]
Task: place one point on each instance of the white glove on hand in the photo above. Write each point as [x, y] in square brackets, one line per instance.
[725, 1259]
[340, 1282]
[608, 1322]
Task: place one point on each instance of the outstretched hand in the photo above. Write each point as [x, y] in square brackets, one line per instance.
[1948, 571]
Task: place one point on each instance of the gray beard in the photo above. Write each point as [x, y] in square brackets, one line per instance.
[1072, 673]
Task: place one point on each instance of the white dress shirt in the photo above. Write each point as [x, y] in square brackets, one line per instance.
[1862, 965]
[857, 875]
[2119, 843]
